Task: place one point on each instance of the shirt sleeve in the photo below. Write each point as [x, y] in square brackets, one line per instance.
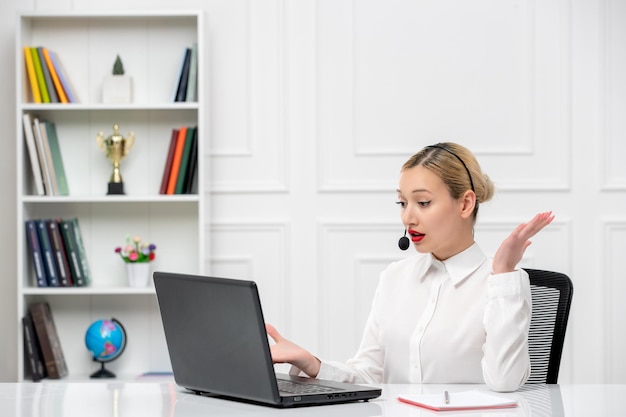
[506, 361]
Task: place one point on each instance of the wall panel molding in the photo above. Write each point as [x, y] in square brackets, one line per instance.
[249, 151]
[357, 71]
[614, 236]
[613, 87]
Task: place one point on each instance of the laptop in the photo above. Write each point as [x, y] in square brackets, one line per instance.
[218, 346]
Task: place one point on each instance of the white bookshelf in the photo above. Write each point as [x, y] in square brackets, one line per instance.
[151, 46]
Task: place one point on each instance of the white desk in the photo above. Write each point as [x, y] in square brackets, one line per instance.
[165, 399]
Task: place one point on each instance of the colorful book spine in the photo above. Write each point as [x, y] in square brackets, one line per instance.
[32, 75]
[32, 153]
[178, 154]
[55, 77]
[82, 253]
[43, 161]
[192, 82]
[48, 255]
[32, 351]
[168, 162]
[45, 98]
[32, 238]
[71, 249]
[63, 78]
[48, 155]
[179, 75]
[193, 165]
[57, 159]
[181, 93]
[49, 341]
[60, 256]
[184, 161]
[54, 98]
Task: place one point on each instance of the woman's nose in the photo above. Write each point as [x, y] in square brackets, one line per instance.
[407, 217]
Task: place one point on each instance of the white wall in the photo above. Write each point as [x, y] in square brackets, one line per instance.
[314, 105]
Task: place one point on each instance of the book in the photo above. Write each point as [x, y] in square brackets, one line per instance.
[41, 82]
[168, 162]
[193, 165]
[55, 77]
[192, 82]
[32, 154]
[459, 401]
[184, 161]
[43, 159]
[32, 240]
[181, 93]
[71, 249]
[48, 155]
[178, 154]
[32, 351]
[179, 75]
[48, 256]
[46, 331]
[82, 253]
[68, 88]
[60, 256]
[57, 159]
[32, 76]
[52, 93]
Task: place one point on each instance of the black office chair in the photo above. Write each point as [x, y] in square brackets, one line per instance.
[551, 301]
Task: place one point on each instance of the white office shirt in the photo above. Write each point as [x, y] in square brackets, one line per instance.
[444, 322]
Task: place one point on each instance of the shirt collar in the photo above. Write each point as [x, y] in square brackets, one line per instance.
[459, 266]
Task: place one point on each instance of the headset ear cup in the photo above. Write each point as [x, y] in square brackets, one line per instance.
[404, 242]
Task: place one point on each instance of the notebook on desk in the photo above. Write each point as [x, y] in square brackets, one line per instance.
[216, 338]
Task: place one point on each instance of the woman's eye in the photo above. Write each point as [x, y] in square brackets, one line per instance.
[423, 203]
[401, 203]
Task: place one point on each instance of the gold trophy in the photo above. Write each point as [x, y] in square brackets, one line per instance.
[116, 147]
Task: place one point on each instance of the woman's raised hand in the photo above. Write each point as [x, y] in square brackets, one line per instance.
[512, 249]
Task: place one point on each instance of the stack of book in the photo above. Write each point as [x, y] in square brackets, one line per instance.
[42, 347]
[186, 87]
[47, 77]
[179, 173]
[45, 156]
[57, 253]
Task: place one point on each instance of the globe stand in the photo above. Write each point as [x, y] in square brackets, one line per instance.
[102, 373]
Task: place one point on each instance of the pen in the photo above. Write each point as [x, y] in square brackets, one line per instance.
[446, 397]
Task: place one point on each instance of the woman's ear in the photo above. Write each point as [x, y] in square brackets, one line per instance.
[468, 202]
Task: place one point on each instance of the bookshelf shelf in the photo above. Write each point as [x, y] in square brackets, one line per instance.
[114, 291]
[87, 44]
[110, 199]
[76, 107]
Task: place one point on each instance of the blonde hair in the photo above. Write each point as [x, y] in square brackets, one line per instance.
[458, 169]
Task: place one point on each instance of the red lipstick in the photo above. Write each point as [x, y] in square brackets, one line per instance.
[416, 236]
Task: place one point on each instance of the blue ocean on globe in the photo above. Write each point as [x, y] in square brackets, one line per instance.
[105, 340]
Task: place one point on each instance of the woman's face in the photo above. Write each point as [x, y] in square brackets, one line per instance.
[435, 221]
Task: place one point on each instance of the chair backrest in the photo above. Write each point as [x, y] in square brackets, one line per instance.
[551, 301]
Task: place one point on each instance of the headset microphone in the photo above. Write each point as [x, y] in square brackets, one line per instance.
[404, 242]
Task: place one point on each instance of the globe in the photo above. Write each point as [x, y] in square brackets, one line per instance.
[105, 340]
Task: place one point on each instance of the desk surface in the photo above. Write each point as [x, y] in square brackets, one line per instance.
[166, 399]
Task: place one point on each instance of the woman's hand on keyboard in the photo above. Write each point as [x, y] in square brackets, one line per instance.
[284, 351]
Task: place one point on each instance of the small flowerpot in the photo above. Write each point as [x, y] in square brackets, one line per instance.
[138, 274]
[117, 89]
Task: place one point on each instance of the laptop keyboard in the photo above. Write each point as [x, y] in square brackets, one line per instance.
[291, 387]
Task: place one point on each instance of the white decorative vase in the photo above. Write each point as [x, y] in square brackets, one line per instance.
[138, 274]
[117, 89]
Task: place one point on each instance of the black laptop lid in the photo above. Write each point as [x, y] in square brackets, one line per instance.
[214, 344]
